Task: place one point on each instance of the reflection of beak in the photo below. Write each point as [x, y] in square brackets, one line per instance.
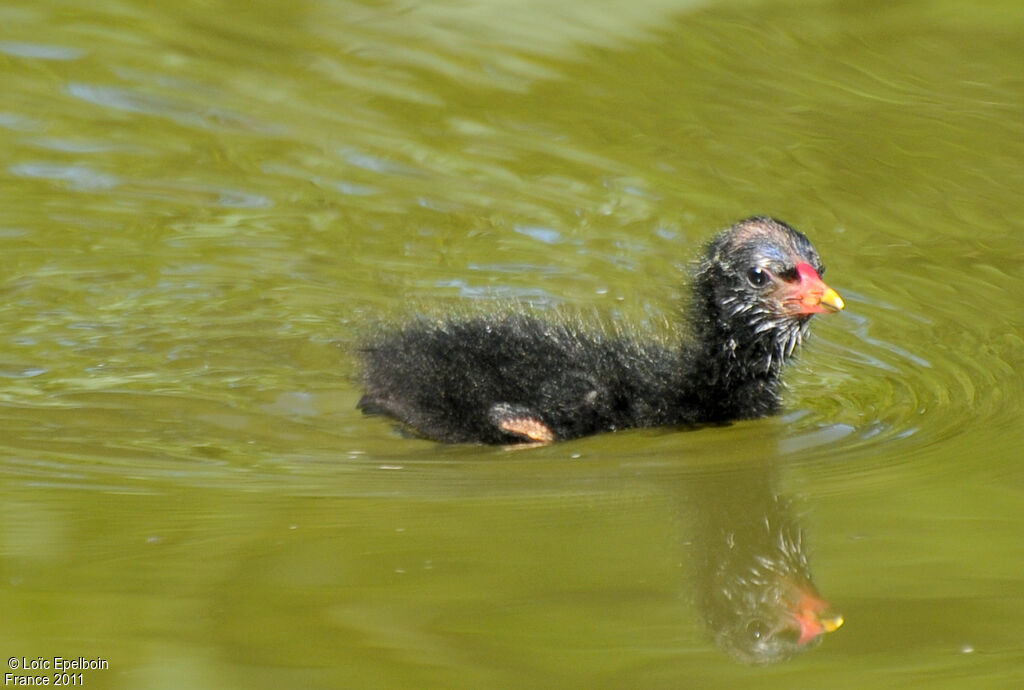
[814, 618]
[832, 624]
[810, 295]
[812, 627]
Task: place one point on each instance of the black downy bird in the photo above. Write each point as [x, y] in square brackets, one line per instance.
[518, 379]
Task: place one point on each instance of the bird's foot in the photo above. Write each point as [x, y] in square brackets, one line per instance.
[520, 421]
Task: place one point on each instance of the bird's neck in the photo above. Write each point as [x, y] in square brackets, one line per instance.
[731, 373]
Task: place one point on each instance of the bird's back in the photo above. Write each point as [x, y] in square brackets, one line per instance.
[445, 379]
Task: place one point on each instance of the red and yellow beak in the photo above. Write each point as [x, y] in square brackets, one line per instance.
[810, 295]
[813, 617]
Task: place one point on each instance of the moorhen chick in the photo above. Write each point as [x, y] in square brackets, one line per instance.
[508, 379]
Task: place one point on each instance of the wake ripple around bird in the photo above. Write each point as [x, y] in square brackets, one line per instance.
[887, 386]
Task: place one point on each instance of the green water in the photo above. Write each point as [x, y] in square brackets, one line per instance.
[205, 206]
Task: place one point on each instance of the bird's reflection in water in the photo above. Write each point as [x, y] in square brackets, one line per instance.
[754, 586]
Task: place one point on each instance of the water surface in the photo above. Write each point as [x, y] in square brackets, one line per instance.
[206, 207]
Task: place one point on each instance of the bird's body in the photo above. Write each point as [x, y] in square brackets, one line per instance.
[515, 378]
[457, 381]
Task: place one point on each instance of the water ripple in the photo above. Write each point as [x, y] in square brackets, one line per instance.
[39, 51]
[79, 177]
[874, 397]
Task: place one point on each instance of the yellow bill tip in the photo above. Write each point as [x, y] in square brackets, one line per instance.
[835, 622]
[831, 300]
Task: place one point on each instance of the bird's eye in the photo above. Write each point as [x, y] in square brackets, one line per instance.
[758, 277]
[758, 630]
